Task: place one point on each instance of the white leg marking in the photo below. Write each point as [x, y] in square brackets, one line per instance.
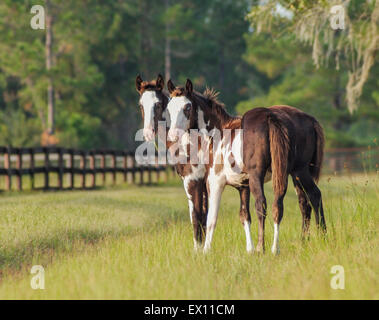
[196, 245]
[215, 190]
[190, 203]
[275, 245]
[249, 242]
[190, 207]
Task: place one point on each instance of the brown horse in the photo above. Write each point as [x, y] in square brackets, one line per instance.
[285, 141]
[280, 140]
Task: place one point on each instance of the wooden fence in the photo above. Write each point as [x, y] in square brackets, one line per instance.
[59, 168]
[88, 165]
[348, 160]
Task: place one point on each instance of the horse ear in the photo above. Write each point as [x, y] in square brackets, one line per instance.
[138, 83]
[170, 86]
[189, 86]
[160, 82]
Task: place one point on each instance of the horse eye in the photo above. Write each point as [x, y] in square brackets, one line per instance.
[188, 107]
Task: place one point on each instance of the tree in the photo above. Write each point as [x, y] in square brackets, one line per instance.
[353, 47]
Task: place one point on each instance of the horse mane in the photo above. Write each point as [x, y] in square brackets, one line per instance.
[212, 95]
[208, 101]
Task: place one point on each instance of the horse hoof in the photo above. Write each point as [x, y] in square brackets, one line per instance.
[260, 250]
[206, 250]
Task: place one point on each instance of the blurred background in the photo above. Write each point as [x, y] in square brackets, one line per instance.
[72, 84]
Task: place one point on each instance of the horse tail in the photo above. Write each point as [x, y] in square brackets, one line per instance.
[318, 156]
[279, 149]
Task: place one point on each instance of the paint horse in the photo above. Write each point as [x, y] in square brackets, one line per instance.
[153, 105]
[186, 114]
[274, 142]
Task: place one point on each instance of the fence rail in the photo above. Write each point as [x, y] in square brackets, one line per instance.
[18, 162]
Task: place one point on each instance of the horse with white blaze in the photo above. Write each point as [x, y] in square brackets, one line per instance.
[266, 142]
[153, 105]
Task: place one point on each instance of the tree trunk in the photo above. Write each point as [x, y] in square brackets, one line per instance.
[49, 64]
[167, 47]
[221, 68]
[145, 38]
[337, 103]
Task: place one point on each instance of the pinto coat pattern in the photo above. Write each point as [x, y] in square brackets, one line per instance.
[279, 140]
[153, 104]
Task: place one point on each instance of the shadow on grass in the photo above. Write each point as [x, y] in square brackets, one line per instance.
[20, 257]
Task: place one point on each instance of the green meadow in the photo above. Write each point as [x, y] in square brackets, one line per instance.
[135, 242]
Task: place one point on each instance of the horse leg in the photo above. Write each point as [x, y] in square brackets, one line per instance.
[205, 208]
[304, 205]
[216, 186]
[314, 196]
[277, 213]
[245, 217]
[194, 191]
[256, 180]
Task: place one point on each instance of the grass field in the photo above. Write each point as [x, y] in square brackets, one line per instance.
[136, 243]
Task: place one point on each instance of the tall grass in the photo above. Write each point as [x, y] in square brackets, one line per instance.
[136, 243]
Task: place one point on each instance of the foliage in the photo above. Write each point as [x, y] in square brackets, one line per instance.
[100, 46]
[354, 45]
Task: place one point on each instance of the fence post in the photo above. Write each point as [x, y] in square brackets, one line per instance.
[7, 166]
[60, 168]
[125, 164]
[102, 166]
[158, 168]
[32, 166]
[114, 166]
[133, 166]
[47, 164]
[149, 172]
[141, 182]
[92, 163]
[19, 169]
[72, 169]
[83, 167]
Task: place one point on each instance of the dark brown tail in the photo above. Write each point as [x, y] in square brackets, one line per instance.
[279, 149]
[318, 156]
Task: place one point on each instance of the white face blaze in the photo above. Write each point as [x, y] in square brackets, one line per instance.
[148, 101]
[179, 121]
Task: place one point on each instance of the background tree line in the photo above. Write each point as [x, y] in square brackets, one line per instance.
[251, 51]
